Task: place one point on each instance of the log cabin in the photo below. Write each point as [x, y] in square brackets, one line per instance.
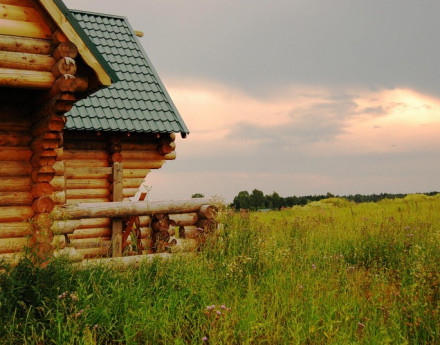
[84, 117]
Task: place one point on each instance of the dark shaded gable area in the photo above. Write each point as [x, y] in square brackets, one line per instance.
[78, 95]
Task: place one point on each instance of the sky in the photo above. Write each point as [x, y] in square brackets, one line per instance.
[295, 96]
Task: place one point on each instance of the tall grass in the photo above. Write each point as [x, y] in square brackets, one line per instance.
[332, 272]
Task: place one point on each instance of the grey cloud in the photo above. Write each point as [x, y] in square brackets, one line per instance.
[321, 121]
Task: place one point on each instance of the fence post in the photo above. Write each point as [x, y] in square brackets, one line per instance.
[117, 222]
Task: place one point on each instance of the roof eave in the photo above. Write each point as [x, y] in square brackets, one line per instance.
[70, 27]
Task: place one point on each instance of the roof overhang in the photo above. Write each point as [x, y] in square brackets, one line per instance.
[68, 25]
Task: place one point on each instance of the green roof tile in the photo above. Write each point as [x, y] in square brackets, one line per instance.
[138, 102]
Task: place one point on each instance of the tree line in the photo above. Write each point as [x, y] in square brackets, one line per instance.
[257, 200]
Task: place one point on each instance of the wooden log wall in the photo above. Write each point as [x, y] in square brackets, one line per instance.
[89, 158]
[140, 154]
[15, 182]
[48, 166]
[25, 46]
[87, 179]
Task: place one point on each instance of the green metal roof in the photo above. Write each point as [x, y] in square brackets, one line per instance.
[138, 102]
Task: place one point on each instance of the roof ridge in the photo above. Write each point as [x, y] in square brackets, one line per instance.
[99, 14]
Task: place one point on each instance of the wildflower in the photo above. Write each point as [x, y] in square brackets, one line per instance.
[60, 296]
[210, 307]
[205, 339]
[95, 327]
[218, 312]
[314, 266]
[223, 306]
[361, 325]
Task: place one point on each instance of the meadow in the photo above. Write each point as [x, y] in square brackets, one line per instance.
[330, 272]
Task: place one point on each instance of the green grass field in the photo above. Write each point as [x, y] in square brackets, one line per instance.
[331, 272]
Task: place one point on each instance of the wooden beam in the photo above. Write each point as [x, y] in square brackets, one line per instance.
[24, 3]
[26, 79]
[127, 208]
[19, 13]
[26, 61]
[25, 45]
[24, 29]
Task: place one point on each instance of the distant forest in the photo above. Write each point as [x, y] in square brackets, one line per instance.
[257, 200]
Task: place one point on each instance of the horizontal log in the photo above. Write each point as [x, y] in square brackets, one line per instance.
[25, 45]
[146, 156]
[16, 199]
[59, 168]
[15, 154]
[131, 164]
[11, 138]
[134, 173]
[58, 183]
[63, 227]
[59, 242]
[92, 163]
[24, 3]
[129, 192]
[146, 232]
[15, 184]
[207, 211]
[144, 221]
[19, 13]
[19, 229]
[127, 209]
[132, 182]
[69, 253]
[26, 61]
[12, 245]
[90, 233]
[88, 172]
[95, 223]
[101, 155]
[87, 184]
[87, 201]
[60, 153]
[59, 198]
[25, 79]
[84, 243]
[87, 193]
[93, 252]
[24, 29]
[69, 226]
[190, 231]
[153, 146]
[15, 168]
[184, 219]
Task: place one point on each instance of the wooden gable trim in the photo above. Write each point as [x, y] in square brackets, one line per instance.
[68, 30]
